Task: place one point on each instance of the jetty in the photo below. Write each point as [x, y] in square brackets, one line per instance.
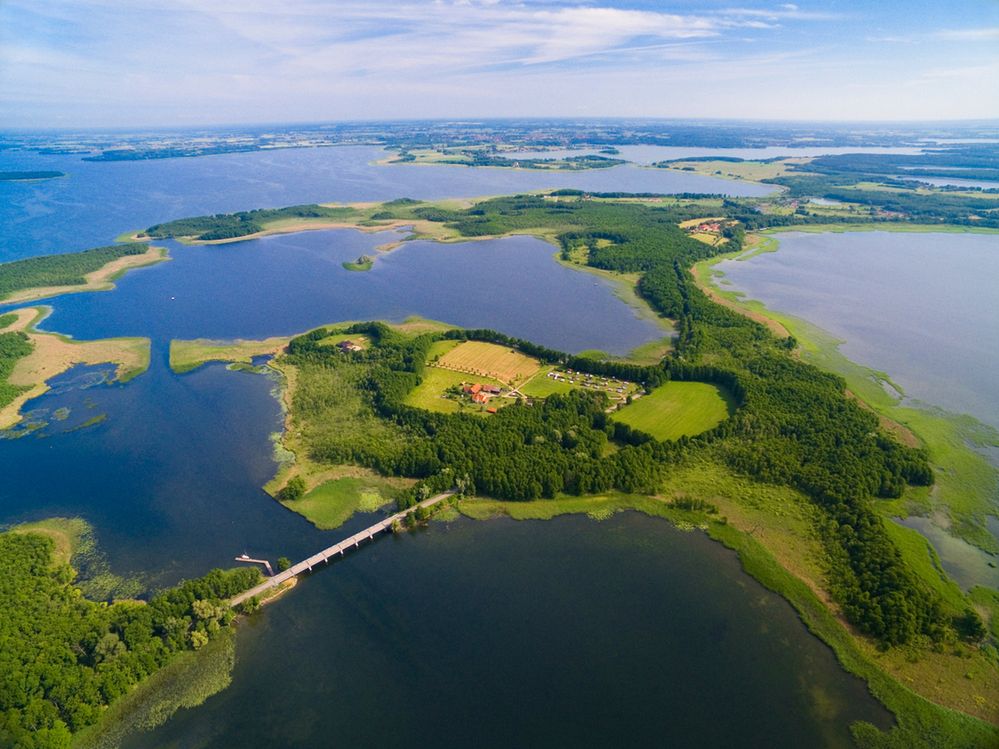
[336, 550]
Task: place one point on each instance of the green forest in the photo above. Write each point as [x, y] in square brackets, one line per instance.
[234, 225]
[83, 655]
[13, 346]
[61, 270]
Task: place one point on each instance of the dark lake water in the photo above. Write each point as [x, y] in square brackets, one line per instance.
[625, 632]
[506, 634]
[289, 283]
[97, 201]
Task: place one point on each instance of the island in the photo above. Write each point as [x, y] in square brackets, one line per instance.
[29, 176]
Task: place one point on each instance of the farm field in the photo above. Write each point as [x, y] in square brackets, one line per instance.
[489, 360]
[678, 409]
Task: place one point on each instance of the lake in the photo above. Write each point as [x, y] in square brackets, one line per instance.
[652, 154]
[97, 201]
[297, 282]
[570, 632]
[922, 307]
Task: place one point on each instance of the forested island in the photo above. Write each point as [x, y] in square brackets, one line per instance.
[482, 157]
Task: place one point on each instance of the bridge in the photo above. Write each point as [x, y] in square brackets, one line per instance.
[337, 549]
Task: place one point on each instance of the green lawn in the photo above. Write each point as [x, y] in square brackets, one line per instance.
[541, 385]
[428, 394]
[332, 503]
[677, 409]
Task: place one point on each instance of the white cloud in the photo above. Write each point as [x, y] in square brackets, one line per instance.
[971, 35]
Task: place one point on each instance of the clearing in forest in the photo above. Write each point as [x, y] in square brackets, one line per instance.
[677, 409]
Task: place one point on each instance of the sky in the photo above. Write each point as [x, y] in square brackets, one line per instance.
[121, 63]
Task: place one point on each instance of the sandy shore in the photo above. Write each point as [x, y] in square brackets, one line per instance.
[101, 279]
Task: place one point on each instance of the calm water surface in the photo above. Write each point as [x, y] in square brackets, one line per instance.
[97, 201]
[624, 633]
[652, 154]
[922, 307]
[286, 284]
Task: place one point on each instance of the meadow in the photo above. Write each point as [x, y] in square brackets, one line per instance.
[678, 409]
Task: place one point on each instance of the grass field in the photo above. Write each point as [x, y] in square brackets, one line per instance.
[188, 355]
[749, 170]
[677, 409]
[334, 339]
[429, 393]
[541, 385]
[332, 503]
[489, 360]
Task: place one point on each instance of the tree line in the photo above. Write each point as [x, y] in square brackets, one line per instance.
[67, 269]
[83, 655]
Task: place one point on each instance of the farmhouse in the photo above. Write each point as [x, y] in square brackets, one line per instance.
[349, 345]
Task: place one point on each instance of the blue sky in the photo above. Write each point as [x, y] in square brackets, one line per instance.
[177, 62]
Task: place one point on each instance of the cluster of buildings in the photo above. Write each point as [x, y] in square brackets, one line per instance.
[481, 394]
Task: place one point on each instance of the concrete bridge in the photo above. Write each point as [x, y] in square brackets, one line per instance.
[337, 549]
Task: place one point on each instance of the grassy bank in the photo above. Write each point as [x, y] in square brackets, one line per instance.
[186, 356]
[332, 503]
[67, 535]
[52, 354]
[187, 681]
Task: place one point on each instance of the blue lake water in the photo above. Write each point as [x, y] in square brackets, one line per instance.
[289, 283]
[97, 201]
[440, 638]
[652, 154]
[922, 307]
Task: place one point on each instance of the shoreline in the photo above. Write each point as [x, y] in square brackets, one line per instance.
[965, 477]
[101, 279]
[54, 353]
